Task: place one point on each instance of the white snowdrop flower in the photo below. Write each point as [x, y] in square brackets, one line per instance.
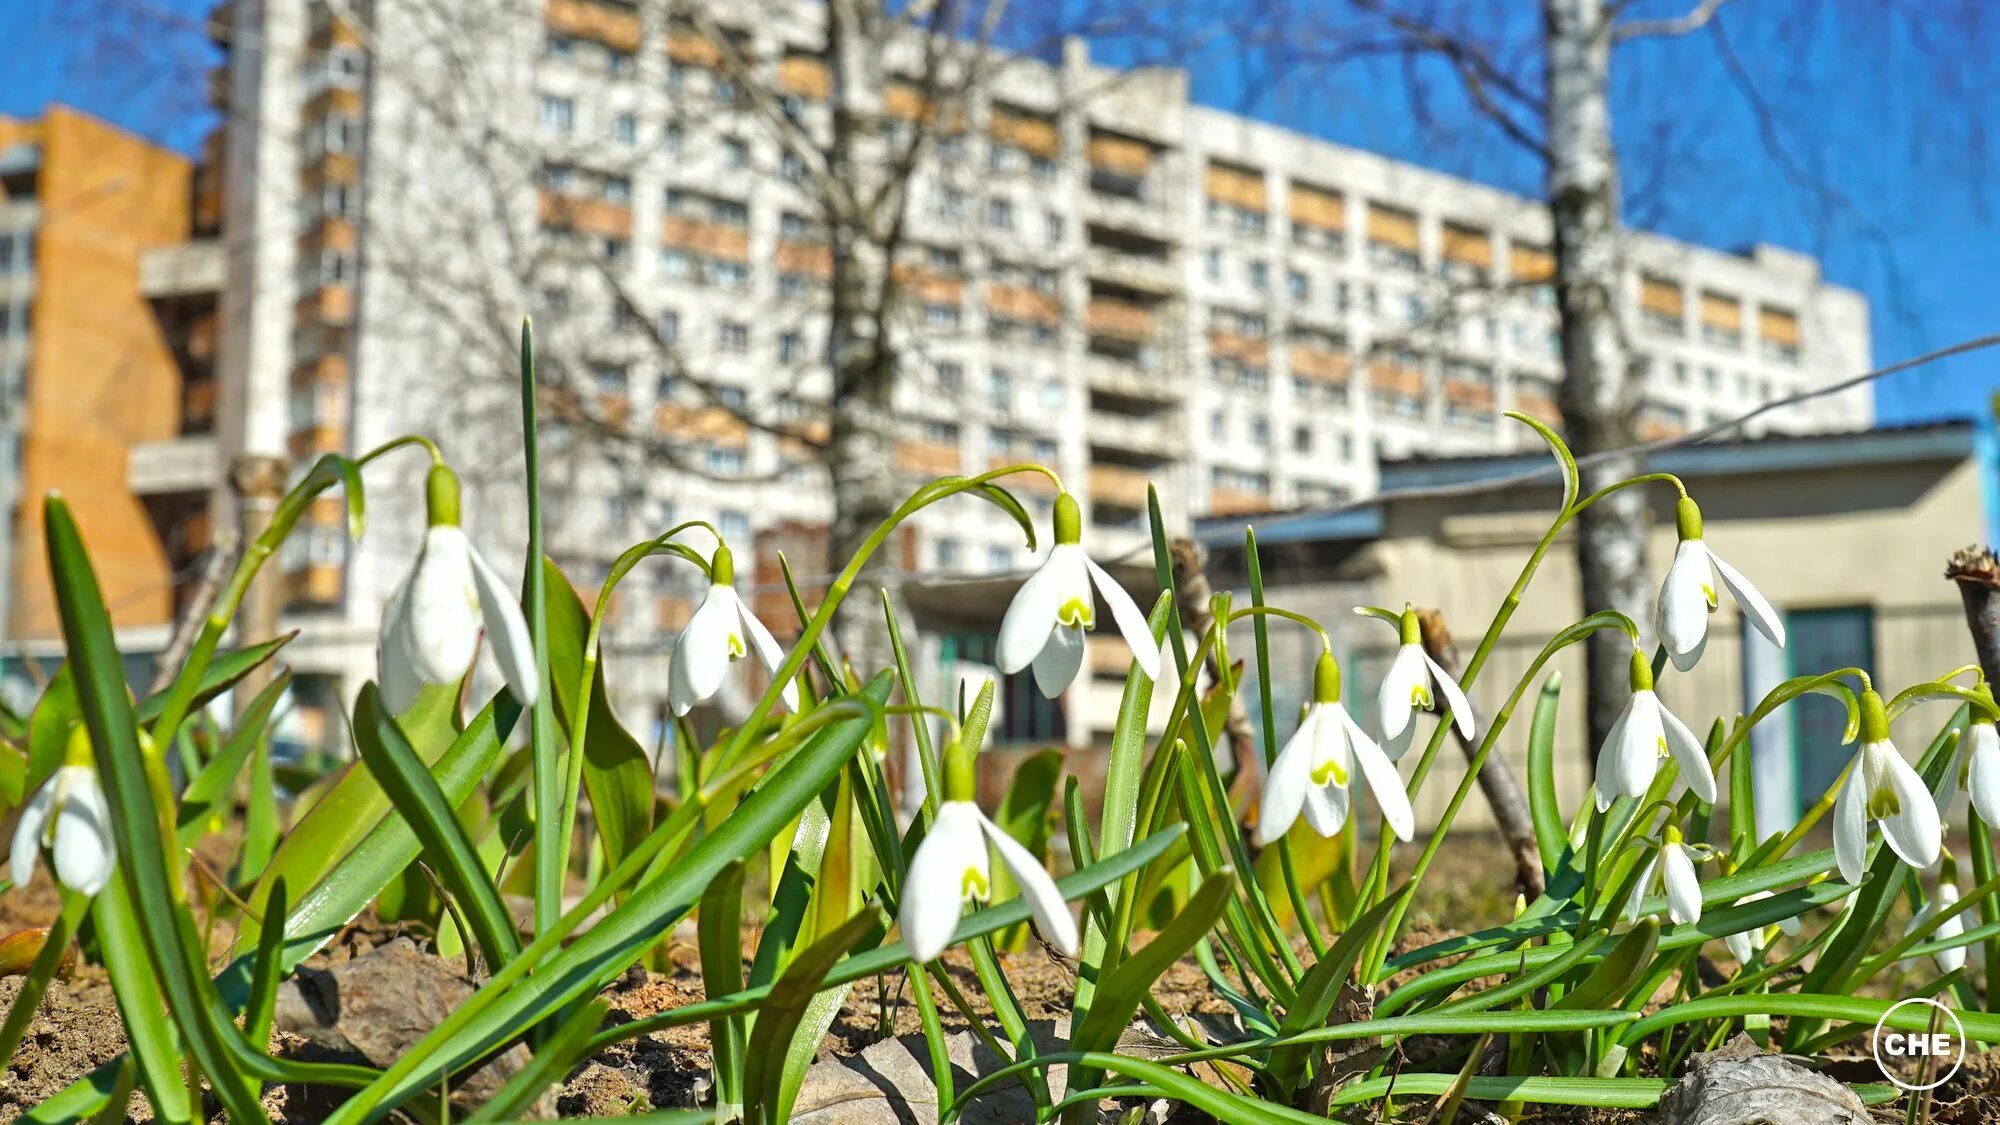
[1948, 960]
[1744, 945]
[1687, 596]
[1413, 683]
[1977, 770]
[1312, 774]
[1644, 733]
[721, 631]
[954, 865]
[431, 626]
[70, 817]
[1045, 623]
[1671, 869]
[1882, 788]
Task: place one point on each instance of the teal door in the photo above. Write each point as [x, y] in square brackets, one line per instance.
[1820, 640]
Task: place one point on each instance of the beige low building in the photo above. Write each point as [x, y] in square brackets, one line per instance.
[1847, 534]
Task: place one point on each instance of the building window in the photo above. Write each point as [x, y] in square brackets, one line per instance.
[671, 140]
[625, 129]
[1000, 389]
[734, 525]
[1299, 287]
[950, 377]
[947, 553]
[732, 337]
[1260, 276]
[735, 154]
[558, 114]
[791, 347]
[729, 275]
[1053, 224]
[617, 189]
[999, 214]
[941, 316]
[724, 459]
[1302, 439]
[1214, 266]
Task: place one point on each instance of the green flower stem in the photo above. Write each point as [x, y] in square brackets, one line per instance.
[1375, 885]
[546, 797]
[580, 721]
[1603, 619]
[1975, 897]
[837, 591]
[1984, 870]
[1288, 868]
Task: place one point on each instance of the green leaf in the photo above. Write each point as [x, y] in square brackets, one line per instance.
[616, 772]
[389, 756]
[771, 1037]
[1544, 808]
[1565, 460]
[569, 1046]
[216, 781]
[265, 973]
[1603, 1093]
[1621, 969]
[719, 934]
[154, 1043]
[617, 939]
[548, 774]
[1320, 987]
[143, 862]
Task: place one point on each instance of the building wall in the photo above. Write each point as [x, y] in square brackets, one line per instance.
[101, 376]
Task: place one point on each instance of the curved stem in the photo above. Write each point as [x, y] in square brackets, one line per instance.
[1326, 643]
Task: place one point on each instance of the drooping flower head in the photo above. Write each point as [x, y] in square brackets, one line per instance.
[1045, 623]
[1977, 770]
[1744, 945]
[70, 818]
[1881, 788]
[1687, 596]
[1671, 869]
[1944, 898]
[1314, 772]
[954, 865]
[432, 624]
[721, 631]
[1645, 733]
[1413, 684]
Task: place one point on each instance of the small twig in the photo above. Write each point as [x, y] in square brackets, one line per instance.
[1192, 589]
[1977, 573]
[1496, 778]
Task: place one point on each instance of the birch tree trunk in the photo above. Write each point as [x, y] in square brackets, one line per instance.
[1599, 396]
[861, 451]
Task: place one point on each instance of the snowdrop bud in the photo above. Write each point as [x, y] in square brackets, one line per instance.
[1326, 679]
[961, 771]
[1687, 518]
[722, 566]
[1068, 520]
[1642, 672]
[1410, 626]
[441, 496]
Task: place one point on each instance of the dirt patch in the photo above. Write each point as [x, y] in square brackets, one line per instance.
[75, 1030]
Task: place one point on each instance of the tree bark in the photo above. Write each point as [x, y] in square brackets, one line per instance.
[1496, 779]
[1599, 395]
[1977, 574]
[1193, 592]
[861, 451]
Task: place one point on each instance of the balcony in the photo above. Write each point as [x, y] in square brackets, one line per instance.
[175, 465]
[1123, 212]
[1236, 502]
[1139, 382]
[1131, 435]
[1118, 320]
[1320, 365]
[592, 216]
[191, 269]
[927, 458]
[1119, 486]
[1144, 273]
[614, 25]
[1018, 302]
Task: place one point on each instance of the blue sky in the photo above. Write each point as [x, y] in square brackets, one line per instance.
[1860, 138]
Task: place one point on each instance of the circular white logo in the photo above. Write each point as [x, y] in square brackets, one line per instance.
[1935, 1043]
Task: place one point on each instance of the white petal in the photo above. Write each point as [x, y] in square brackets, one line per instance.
[27, 846]
[701, 655]
[1326, 808]
[506, 631]
[84, 852]
[1031, 616]
[443, 607]
[1682, 884]
[1685, 661]
[1850, 824]
[1950, 960]
[1059, 661]
[395, 669]
[1383, 780]
[1766, 619]
[769, 654]
[1634, 909]
[1397, 745]
[1461, 707]
[1922, 915]
[1045, 902]
[1683, 617]
[1131, 622]
[1982, 776]
[1689, 753]
[1395, 701]
[1741, 946]
[934, 887]
[1610, 783]
[1639, 749]
[1913, 831]
[1286, 781]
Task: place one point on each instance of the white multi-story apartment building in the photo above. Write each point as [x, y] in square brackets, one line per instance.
[1100, 275]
